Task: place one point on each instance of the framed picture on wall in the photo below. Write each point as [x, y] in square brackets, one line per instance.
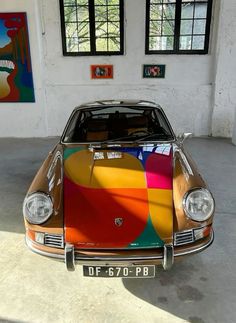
[101, 71]
[154, 71]
[16, 78]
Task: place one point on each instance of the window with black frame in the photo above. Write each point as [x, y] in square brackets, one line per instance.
[92, 27]
[178, 27]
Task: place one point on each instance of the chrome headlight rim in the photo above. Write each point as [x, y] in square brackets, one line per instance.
[186, 195]
[25, 209]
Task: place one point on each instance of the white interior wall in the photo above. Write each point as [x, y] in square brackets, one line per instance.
[183, 93]
[224, 103]
[64, 82]
[27, 119]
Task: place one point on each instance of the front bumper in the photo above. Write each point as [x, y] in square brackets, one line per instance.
[165, 255]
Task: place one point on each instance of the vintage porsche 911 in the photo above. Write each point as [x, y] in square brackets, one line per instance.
[118, 194]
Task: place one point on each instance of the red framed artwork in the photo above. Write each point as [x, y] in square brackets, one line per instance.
[102, 71]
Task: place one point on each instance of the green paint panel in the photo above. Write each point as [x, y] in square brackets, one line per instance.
[70, 151]
[148, 239]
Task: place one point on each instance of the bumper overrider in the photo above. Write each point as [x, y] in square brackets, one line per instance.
[164, 256]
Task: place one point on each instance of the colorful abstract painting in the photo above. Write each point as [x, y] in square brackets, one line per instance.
[120, 202]
[16, 79]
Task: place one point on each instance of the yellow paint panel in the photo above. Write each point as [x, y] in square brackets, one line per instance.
[77, 167]
[161, 212]
[126, 172]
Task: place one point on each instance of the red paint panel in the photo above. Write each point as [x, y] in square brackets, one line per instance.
[159, 171]
[90, 215]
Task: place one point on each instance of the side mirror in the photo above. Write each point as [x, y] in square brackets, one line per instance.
[184, 136]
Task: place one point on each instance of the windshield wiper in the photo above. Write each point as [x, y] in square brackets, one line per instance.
[140, 138]
[161, 136]
[118, 139]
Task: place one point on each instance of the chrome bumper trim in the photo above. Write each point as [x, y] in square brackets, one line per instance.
[117, 259]
[31, 246]
[168, 258]
[196, 250]
[84, 259]
[70, 257]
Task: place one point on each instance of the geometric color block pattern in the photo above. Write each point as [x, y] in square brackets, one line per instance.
[136, 187]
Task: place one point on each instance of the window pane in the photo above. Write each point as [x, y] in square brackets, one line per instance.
[155, 28]
[107, 27]
[105, 2]
[199, 26]
[187, 10]
[198, 42]
[100, 2]
[70, 2]
[113, 29]
[83, 13]
[113, 44]
[200, 10]
[101, 13]
[83, 30]
[186, 27]
[161, 43]
[168, 27]
[185, 42]
[101, 44]
[71, 29]
[161, 1]
[155, 12]
[101, 29]
[162, 25]
[169, 11]
[70, 14]
[113, 13]
[84, 45]
[82, 2]
[72, 44]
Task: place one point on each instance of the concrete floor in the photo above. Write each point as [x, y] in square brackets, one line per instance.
[202, 289]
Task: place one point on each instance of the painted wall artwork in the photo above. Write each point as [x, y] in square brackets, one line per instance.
[154, 71]
[101, 71]
[16, 79]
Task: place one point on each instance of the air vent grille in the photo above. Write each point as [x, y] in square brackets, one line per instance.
[181, 238]
[54, 240]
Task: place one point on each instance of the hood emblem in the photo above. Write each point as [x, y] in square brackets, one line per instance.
[118, 222]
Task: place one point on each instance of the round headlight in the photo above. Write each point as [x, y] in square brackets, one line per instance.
[199, 204]
[37, 208]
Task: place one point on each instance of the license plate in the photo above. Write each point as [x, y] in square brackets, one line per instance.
[120, 271]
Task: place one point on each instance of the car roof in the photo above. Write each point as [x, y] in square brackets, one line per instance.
[125, 103]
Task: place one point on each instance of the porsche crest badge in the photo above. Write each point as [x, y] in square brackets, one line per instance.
[118, 222]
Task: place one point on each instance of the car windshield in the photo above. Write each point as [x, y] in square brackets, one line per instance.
[117, 124]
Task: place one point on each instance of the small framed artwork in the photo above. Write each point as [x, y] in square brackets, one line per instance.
[102, 71]
[154, 71]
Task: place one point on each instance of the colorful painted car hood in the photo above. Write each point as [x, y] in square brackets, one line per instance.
[119, 197]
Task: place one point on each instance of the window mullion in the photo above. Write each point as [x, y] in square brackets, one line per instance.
[177, 25]
[147, 33]
[92, 26]
[121, 4]
[208, 26]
